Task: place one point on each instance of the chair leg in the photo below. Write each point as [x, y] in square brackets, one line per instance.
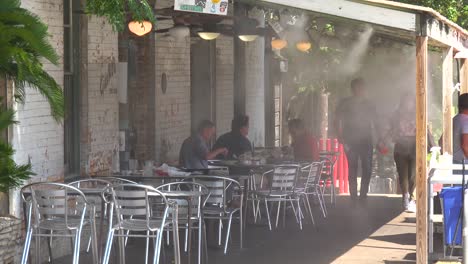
[107, 250]
[27, 246]
[38, 248]
[49, 246]
[157, 247]
[310, 209]
[186, 238]
[228, 233]
[300, 212]
[176, 242]
[200, 238]
[220, 230]
[277, 213]
[121, 247]
[322, 204]
[294, 210]
[76, 251]
[147, 246]
[268, 214]
[284, 214]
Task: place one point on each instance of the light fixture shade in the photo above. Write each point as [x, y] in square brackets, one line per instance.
[303, 46]
[208, 35]
[248, 38]
[278, 44]
[140, 28]
[462, 55]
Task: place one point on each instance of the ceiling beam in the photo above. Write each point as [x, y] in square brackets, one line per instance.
[356, 11]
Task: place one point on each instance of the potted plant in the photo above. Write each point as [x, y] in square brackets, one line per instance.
[11, 175]
[24, 46]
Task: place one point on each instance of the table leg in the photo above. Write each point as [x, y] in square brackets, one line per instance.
[175, 233]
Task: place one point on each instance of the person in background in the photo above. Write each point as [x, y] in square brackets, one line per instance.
[356, 119]
[304, 144]
[236, 141]
[403, 133]
[195, 153]
[460, 130]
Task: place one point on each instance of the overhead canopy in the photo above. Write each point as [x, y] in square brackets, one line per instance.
[419, 21]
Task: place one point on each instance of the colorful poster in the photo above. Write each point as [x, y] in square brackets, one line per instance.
[215, 7]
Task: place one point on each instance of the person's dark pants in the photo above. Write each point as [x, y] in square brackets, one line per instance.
[405, 160]
[354, 153]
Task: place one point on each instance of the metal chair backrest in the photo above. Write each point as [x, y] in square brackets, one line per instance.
[57, 201]
[180, 192]
[218, 187]
[284, 177]
[93, 189]
[314, 175]
[117, 180]
[135, 201]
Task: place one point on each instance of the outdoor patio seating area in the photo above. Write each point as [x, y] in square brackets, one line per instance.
[374, 233]
[233, 131]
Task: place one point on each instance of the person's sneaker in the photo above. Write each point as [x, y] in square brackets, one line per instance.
[406, 201]
[411, 207]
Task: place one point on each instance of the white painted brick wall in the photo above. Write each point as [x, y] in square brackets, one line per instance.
[255, 82]
[173, 119]
[38, 138]
[103, 104]
[224, 83]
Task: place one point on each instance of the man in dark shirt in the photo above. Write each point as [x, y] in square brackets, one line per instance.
[356, 119]
[236, 141]
[195, 153]
[304, 144]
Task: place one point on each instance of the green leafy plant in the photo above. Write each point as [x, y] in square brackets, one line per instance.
[115, 11]
[24, 46]
[11, 174]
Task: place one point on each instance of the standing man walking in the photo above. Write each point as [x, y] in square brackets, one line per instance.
[356, 119]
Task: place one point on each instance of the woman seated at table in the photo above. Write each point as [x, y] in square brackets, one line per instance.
[304, 144]
[235, 141]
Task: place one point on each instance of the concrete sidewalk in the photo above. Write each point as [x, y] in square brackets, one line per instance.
[376, 232]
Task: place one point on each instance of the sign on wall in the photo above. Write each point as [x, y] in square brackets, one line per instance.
[215, 7]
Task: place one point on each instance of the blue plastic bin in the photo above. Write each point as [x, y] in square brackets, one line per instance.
[452, 201]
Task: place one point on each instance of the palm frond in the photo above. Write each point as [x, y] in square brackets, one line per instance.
[24, 45]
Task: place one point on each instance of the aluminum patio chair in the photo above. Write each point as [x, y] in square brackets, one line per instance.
[57, 210]
[190, 198]
[327, 176]
[93, 189]
[220, 204]
[134, 206]
[282, 190]
[309, 185]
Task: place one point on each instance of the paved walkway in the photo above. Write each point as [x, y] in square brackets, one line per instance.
[353, 233]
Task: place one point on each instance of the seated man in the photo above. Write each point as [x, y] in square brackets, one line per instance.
[304, 144]
[195, 153]
[235, 141]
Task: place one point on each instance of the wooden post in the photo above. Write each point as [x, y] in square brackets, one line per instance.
[464, 77]
[447, 76]
[421, 150]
